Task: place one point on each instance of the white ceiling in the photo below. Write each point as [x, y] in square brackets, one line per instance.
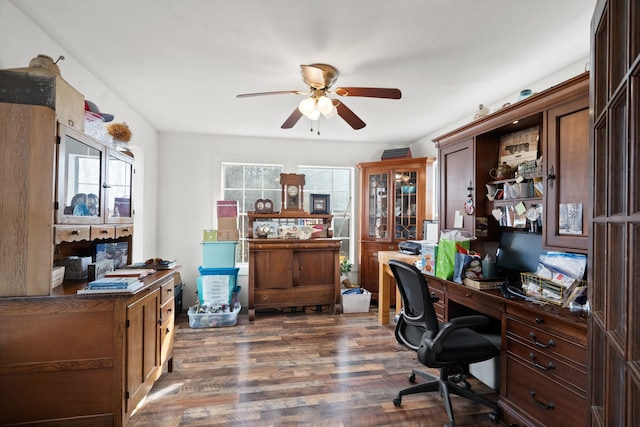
[181, 63]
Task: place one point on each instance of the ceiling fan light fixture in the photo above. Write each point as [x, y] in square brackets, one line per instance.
[324, 104]
[314, 115]
[333, 111]
[307, 106]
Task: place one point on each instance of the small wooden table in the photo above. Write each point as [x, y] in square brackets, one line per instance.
[384, 280]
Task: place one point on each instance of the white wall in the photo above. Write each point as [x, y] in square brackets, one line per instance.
[178, 175]
[22, 40]
[190, 184]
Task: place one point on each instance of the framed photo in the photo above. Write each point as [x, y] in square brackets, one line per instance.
[320, 203]
[519, 147]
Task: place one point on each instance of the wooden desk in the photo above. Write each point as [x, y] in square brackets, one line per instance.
[386, 284]
[543, 366]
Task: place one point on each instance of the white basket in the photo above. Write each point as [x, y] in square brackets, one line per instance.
[356, 303]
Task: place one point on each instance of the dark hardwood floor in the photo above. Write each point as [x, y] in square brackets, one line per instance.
[296, 369]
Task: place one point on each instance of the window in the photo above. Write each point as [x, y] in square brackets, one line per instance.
[247, 183]
[338, 184]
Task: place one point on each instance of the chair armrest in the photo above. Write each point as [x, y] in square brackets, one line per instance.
[452, 325]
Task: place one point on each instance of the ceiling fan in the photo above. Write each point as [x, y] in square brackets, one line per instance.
[320, 78]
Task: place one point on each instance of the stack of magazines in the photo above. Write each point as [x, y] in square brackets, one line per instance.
[112, 285]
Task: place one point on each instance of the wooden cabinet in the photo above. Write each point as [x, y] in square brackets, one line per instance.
[614, 324]
[545, 377]
[559, 116]
[78, 360]
[142, 346]
[395, 198]
[94, 181]
[293, 273]
[568, 170]
[27, 164]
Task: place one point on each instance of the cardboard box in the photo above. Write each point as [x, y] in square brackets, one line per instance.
[227, 223]
[75, 268]
[429, 255]
[210, 235]
[228, 235]
[227, 208]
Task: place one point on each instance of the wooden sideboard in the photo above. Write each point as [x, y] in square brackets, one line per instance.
[293, 273]
[84, 359]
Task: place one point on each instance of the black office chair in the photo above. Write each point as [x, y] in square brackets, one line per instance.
[438, 345]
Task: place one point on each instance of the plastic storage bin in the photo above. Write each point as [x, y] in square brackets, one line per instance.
[356, 303]
[213, 320]
[220, 254]
[217, 286]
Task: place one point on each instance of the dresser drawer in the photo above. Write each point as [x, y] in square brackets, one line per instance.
[543, 399]
[547, 341]
[71, 233]
[103, 232]
[546, 363]
[166, 310]
[166, 292]
[124, 230]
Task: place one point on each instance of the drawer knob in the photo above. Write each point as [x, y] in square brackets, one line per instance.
[539, 320]
[548, 405]
[468, 295]
[75, 232]
[534, 339]
[105, 231]
[539, 366]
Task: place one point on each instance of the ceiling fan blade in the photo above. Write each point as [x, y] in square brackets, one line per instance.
[292, 119]
[279, 92]
[348, 115]
[370, 92]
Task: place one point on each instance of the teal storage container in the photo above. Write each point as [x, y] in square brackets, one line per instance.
[217, 286]
[220, 254]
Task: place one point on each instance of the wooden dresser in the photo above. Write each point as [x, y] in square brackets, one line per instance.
[72, 359]
[293, 273]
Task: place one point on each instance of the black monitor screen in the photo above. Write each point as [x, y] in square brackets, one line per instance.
[518, 252]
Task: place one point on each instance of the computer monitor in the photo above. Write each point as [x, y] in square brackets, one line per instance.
[518, 252]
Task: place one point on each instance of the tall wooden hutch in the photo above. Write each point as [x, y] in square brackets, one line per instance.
[70, 359]
[395, 198]
[531, 392]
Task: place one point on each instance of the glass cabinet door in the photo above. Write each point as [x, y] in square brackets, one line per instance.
[79, 179]
[118, 184]
[378, 205]
[405, 193]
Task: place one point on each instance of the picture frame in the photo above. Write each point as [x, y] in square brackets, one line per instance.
[320, 204]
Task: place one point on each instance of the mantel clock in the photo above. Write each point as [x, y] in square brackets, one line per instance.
[292, 191]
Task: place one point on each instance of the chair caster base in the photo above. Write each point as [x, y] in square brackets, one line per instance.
[397, 401]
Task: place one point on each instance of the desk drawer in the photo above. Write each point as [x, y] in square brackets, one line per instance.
[547, 364]
[547, 341]
[549, 322]
[474, 299]
[543, 399]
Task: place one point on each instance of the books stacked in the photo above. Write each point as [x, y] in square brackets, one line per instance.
[138, 273]
[112, 285]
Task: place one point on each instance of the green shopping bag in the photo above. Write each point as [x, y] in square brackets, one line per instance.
[446, 260]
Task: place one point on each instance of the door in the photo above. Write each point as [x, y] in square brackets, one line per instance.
[567, 194]
[615, 236]
[457, 176]
[142, 347]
